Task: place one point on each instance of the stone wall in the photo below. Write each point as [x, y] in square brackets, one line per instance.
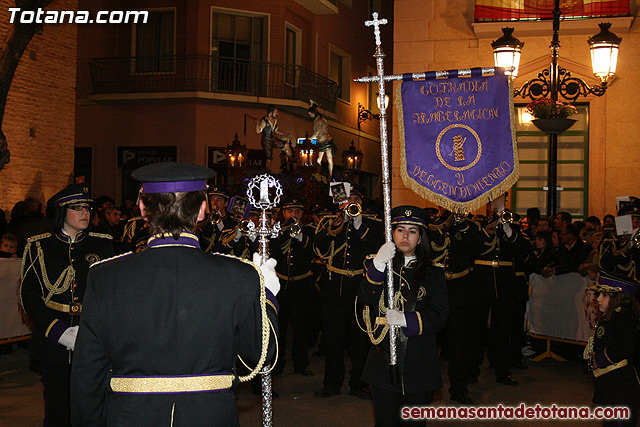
[39, 120]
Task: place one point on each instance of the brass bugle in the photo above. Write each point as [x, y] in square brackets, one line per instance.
[295, 229]
[353, 209]
[506, 216]
[635, 240]
[215, 217]
[245, 226]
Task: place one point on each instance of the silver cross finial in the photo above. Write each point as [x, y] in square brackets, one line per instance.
[376, 26]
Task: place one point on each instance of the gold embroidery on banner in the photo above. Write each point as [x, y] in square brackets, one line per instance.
[460, 168]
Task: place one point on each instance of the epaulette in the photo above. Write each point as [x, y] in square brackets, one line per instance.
[38, 237]
[373, 217]
[439, 224]
[135, 218]
[110, 259]
[101, 235]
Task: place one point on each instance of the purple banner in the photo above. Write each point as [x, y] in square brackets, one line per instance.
[458, 141]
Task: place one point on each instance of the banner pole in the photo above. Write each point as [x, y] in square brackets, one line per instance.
[386, 186]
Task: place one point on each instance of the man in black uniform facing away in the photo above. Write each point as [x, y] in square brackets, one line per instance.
[54, 273]
[162, 329]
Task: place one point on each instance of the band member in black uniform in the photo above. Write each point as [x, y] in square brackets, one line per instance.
[54, 272]
[420, 309]
[134, 236]
[614, 349]
[162, 329]
[455, 242]
[293, 250]
[621, 254]
[495, 273]
[217, 224]
[344, 241]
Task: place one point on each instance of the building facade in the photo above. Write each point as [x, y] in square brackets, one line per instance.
[182, 86]
[597, 156]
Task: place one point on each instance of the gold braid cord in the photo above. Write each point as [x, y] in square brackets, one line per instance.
[64, 280]
[398, 303]
[266, 323]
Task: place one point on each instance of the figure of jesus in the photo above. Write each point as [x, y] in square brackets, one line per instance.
[325, 143]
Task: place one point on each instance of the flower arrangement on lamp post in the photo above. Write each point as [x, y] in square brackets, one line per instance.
[551, 116]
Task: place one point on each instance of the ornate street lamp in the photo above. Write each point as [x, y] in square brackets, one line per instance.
[506, 52]
[604, 52]
[386, 100]
[352, 160]
[364, 114]
[557, 81]
[306, 154]
[236, 158]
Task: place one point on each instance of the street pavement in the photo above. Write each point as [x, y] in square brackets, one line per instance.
[545, 383]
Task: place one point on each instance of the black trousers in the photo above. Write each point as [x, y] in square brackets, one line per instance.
[499, 332]
[295, 305]
[341, 332]
[57, 394]
[387, 406]
[460, 330]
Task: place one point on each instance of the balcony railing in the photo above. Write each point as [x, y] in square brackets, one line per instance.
[189, 73]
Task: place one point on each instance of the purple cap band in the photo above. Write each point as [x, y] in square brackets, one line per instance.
[626, 288]
[173, 187]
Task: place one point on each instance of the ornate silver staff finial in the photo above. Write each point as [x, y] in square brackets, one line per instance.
[386, 186]
[376, 26]
[264, 183]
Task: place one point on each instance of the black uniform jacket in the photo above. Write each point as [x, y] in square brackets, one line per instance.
[494, 267]
[294, 257]
[616, 340]
[172, 310]
[426, 309]
[343, 249]
[212, 238]
[54, 277]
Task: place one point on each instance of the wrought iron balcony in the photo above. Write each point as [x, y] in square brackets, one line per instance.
[190, 73]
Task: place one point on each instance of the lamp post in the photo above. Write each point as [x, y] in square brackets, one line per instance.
[236, 158]
[352, 161]
[557, 81]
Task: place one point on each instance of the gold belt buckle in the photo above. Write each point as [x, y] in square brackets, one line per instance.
[448, 275]
[349, 273]
[495, 263]
[75, 308]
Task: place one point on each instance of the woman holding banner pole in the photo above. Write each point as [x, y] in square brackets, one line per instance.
[420, 310]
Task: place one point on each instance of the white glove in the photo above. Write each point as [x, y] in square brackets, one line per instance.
[220, 226]
[384, 255]
[357, 222]
[238, 235]
[507, 230]
[396, 318]
[298, 237]
[68, 338]
[268, 270]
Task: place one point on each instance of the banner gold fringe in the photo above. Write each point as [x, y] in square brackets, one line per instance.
[461, 208]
